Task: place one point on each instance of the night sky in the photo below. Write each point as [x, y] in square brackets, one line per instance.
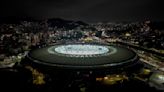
[85, 10]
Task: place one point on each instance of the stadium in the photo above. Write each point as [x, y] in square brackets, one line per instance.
[71, 65]
[93, 57]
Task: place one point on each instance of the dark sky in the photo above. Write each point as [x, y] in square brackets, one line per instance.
[85, 10]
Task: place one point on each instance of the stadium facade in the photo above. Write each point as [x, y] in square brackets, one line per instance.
[79, 57]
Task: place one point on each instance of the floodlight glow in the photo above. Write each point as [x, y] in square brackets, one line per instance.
[81, 49]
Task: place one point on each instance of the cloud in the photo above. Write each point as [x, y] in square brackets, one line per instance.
[86, 10]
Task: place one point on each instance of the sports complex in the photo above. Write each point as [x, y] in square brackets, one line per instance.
[83, 56]
[69, 65]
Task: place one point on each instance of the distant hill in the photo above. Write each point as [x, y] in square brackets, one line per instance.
[15, 20]
[60, 23]
[53, 22]
[157, 25]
